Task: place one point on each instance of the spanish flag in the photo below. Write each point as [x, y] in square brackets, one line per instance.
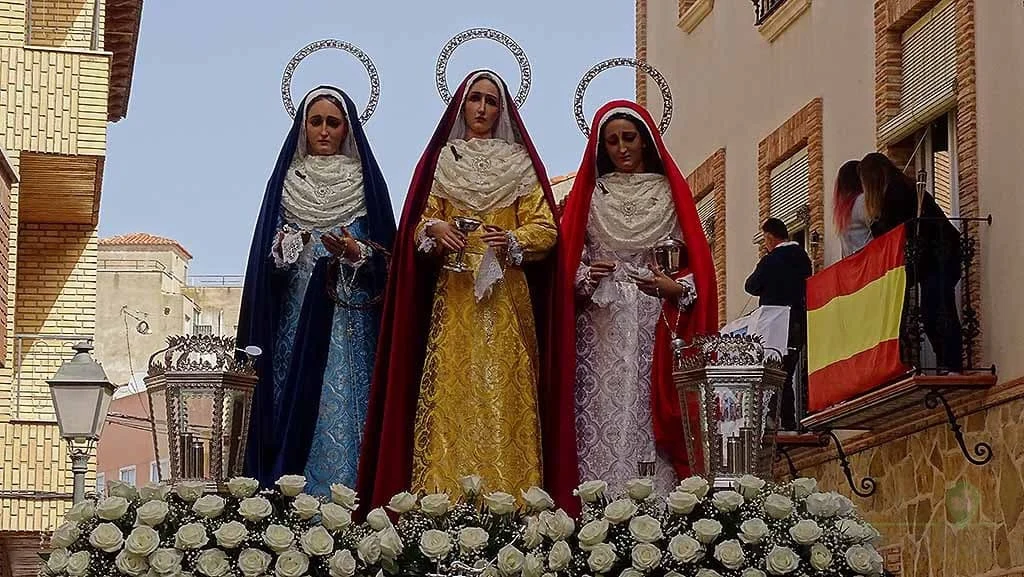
[854, 309]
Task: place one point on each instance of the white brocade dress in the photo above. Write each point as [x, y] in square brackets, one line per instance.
[614, 350]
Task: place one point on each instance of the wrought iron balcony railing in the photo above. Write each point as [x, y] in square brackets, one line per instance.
[765, 8]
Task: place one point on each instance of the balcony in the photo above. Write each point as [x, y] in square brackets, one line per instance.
[765, 8]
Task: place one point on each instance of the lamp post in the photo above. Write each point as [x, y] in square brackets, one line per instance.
[81, 396]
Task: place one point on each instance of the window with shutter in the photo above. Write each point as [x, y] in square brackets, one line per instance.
[928, 81]
[790, 189]
[706, 213]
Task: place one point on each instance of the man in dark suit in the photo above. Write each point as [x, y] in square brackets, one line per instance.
[780, 279]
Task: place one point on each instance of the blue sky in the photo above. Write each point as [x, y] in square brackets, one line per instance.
[205, 120]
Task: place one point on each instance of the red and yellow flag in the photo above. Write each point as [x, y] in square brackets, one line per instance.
[854, 308]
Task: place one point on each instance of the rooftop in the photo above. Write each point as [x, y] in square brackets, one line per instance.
[144, 239]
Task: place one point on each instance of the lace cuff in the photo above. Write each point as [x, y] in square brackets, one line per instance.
[689, 295]
[424, 243]
[514, 256]
[584, 284]
[287, 247]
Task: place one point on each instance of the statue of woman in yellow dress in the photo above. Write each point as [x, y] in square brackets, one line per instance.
[460, 387]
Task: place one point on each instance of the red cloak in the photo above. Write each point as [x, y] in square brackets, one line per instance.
[702, 317]
[385, 466]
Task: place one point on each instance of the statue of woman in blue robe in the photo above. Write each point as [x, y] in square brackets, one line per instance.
[317, 269]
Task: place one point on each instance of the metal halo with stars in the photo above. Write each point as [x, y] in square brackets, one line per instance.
[371, 71]
[525, 72]
[581, 90]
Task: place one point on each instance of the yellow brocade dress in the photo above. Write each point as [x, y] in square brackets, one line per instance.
[477, 411]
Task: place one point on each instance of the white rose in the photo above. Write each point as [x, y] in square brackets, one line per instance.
[255, 508]
[279, 538]
[154, 492]
[805, 532]
[378, 519]
[707, 530]
[640, 489]
[152, 513]
[510, 560]
[782, 561]
[861, 559]
[533, 566]
[560, 556]
[165, 561]
[471, 485]
[753, 530]
[645, 529]
[402, 503]
[591, 491]
[435, 544]
[777, 506]
[751, 572]
[254, 562]
[537, 499]
[78, 564]
[682, 503]
[601, 558]
[191, 536]
[673, 574]
[821, 557]
[291, 563]
[213, 563]
[343, 564]
[344, 496]
[685, 549]
[500, 503]
[107, 538]
[727, 501]
[435, 505]
[305, 506]
[749, 486]
[697, 486]
[81, 512]
[142, 541]
[317, 542]
[845, 505]
[243, 487]
[391, 545]
[593, 533]
[118, 488]
[620, 511]
[65, 535]
[646, 556]
[112, 508]
[533, 535]
[209, 506]
[231, 535]
[730, 554]
[823, 505]
[850, 530]
[630, 572]
[190, 491]
[291, 485]
[869, 534]
[334, 517]
[472, 538]
[708, 573]
[131, 565]
[369, 549]
[57, 561]
[804, 487]
[558, 525]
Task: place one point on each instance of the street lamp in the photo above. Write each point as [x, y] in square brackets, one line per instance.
[81, 396]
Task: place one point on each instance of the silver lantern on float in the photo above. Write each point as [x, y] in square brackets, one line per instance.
[200, 395]
[730, 395]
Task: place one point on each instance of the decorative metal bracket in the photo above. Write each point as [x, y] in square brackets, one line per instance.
[783, 453]
[982, 450]
[867, 484]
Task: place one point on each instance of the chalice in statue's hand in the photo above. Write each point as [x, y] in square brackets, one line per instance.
[465, 225]
[670, 255]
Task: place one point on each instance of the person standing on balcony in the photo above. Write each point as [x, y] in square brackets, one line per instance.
[780, 279]
[891, 199]
[849, 213]
[316, 272]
